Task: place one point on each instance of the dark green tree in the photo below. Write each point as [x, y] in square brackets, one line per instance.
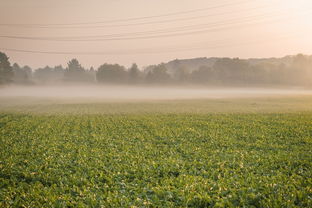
[6, 71]
[111, 73]
[181, 74]
[134, 74]
[204, 75]
[232, 71]
[158, 74]
[21, 75]
[75, 72]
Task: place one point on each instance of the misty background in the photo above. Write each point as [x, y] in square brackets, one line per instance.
[51, 32]
[289, 71]
[178, 79]
[127, 48]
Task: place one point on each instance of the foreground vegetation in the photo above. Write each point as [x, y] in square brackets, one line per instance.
[83, 155]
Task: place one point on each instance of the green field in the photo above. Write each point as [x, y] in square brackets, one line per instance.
[196, 153]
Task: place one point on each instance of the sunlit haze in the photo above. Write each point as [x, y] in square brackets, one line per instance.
[38, 33]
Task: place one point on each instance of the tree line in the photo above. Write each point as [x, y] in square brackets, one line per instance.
[291, 70]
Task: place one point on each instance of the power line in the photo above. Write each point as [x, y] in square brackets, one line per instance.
[147, 23]
[185, 30]
[135, 33]
[129, 19]
[69, 38]
[201, 46]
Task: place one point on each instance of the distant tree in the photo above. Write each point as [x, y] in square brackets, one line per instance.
[49, 75]
[203, 75]
[260, 74]
[6, 71]
[59, 69]
[300, 70]
[91, 74]
[27, 70]
[92, 69]
[232, 71]
[43, 74]
[181, 74]
[15, 67]
[21, 75]
[58, 73]
[157, 74]
[134, 74]
[111, 73]
[75, 72]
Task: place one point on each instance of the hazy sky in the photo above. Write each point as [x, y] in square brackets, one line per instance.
[152, 31]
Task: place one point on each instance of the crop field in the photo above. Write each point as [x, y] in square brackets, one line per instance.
[201, 153]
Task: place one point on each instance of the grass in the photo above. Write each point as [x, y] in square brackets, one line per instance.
[269, 104]
[201, 153]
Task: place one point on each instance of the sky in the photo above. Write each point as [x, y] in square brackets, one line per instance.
[51, 32]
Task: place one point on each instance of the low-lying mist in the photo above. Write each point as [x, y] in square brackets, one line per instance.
[113, 93]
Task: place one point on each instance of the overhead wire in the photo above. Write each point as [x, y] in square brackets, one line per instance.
[160, 33]
[151, 22]
[201, 46]
[128, 19]
[169, 32]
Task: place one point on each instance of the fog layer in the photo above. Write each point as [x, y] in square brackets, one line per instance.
[110, 93]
